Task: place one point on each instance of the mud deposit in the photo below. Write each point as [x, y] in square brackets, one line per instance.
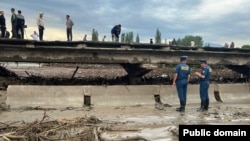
[124, 123]
[147, 122]
[94, 74]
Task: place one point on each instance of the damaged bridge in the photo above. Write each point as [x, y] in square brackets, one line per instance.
[129, 55]
[132, 57]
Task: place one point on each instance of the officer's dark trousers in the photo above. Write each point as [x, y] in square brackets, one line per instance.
[181, 86]
[204, 85]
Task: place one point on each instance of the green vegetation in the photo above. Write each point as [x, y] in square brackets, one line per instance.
[158, 36]
[137, 39]
[128, 37]
[94, 35]
[246, 47]
[123, 37]
[187, 40]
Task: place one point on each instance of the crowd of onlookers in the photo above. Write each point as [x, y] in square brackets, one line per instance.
[18, 26]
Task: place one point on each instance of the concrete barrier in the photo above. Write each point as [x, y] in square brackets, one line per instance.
[118, 95]
[234, 91]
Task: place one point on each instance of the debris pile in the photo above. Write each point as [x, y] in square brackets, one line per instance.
[103, 75]
[78, 129]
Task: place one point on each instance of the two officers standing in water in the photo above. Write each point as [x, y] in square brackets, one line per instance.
[181, 79]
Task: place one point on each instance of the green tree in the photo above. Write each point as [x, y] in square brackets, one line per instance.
[198, 41]
[126, 37]
[123, 37]
[137, 38]
[187, 40]
[158, 36]
[129, 37]
[246, 46]
[178, 41]
[94, 35]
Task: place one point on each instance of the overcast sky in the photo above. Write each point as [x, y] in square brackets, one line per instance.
[216, 21]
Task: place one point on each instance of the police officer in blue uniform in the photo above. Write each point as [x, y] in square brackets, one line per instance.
[180, 80]
[204, 77]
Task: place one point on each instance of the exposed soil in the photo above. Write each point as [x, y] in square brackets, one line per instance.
[124, 123]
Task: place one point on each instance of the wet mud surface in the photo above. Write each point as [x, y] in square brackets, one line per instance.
[125, 123]
[118, 123]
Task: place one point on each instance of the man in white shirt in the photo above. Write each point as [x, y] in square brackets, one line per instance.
[35, 36]
[40, 25]
[69, 25]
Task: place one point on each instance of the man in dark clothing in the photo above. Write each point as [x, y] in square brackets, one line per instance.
[2, 24]
[20, 25]
[115, 32]
[151, 41]
[13, 23]
[174, 43]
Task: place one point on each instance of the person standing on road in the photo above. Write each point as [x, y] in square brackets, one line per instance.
[115, 32]
[174, 43]
[180, 80]
[40, 25]
[2, 24]
[13, 23]
[151, 41]
[85, 37]
[204, 77]
[69, 25]
[20, 25]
